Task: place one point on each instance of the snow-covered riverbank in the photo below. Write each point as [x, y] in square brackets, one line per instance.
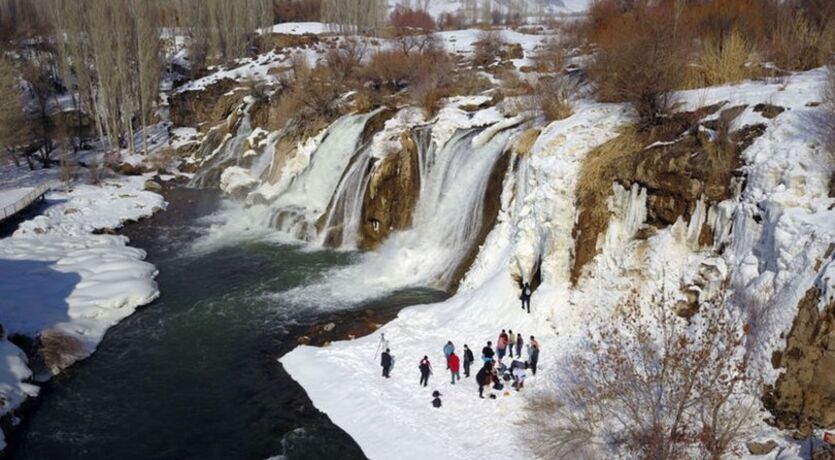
[66, 284]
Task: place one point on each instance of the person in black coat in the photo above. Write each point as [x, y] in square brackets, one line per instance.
[425, 370]
[385, 361]
[468, 360]
[526, 296]
[483, 378]
[487, 353]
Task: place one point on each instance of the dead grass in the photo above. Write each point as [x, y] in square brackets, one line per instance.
[594, 185]
[488, 48]
[726, 60]
[553, 97]
[59, 349]
[525, 141]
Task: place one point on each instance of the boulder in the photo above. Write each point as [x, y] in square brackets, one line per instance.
[153, 186]
[761, 448]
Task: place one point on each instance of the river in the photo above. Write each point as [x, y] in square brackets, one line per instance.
[194, 375]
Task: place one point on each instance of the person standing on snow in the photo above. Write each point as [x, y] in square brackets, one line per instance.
[519, 376]
[449, 349]
[533, 354]
[454, 365]
[468, 360]
[526, 296]
[483, 378]
[425, 370]
[501, 345]
[510, 339]
[519, 343]
[487, 352]
[385, 361]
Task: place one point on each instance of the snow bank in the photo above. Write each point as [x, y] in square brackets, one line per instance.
[58, 276]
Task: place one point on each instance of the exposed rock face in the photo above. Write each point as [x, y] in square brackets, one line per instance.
[391, 196]
[210, 105]
[683, 166]
[803, 398]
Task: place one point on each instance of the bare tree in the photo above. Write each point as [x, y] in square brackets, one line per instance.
[652, 385]
[12, 121]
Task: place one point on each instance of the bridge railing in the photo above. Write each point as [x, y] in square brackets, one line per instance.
[26, 200]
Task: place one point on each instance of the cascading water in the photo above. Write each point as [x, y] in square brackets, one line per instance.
[446, 224]
[306, 198]
[228, 153]
[342, 222]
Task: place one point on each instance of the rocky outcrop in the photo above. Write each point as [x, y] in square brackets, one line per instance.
[679, 163]
[209, 105]
[391, 196]
[803, 397]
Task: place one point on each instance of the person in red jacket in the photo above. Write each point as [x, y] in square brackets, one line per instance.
[454, 366]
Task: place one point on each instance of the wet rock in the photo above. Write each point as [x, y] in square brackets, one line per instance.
[803, 397]
[153, 186]
[761, 448]
[391, 196]
[769, 110]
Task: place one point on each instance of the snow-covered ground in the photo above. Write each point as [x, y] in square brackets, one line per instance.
[776, 234]
[57, 276]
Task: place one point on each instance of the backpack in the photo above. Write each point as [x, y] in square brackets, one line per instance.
[527, 291]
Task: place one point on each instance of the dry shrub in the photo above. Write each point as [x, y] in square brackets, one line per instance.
[95, 171]
[651, 385]
[552, 95]
[297, 10]
[59, 350]
[407, 18]
[162, 159]
[726, 60]
[550, 57]
[345, 60]
[451, 21]
[487, 48]
[797, 44]
[640, 60]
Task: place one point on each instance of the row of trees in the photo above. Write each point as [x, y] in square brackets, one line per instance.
[105, 58]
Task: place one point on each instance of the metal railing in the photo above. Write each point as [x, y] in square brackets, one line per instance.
[26, 200]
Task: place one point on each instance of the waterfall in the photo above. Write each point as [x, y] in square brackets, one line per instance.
[298, 208]
[342, 222]
[227, 154]
[446, 224]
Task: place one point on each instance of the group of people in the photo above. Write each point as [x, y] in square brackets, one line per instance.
[494, 370]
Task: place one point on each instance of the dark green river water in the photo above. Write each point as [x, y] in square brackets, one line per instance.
[194, 375]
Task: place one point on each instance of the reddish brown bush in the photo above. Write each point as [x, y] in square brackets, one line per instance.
[450, 21]
[297, 10]
[641, 59]
[407, 18]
